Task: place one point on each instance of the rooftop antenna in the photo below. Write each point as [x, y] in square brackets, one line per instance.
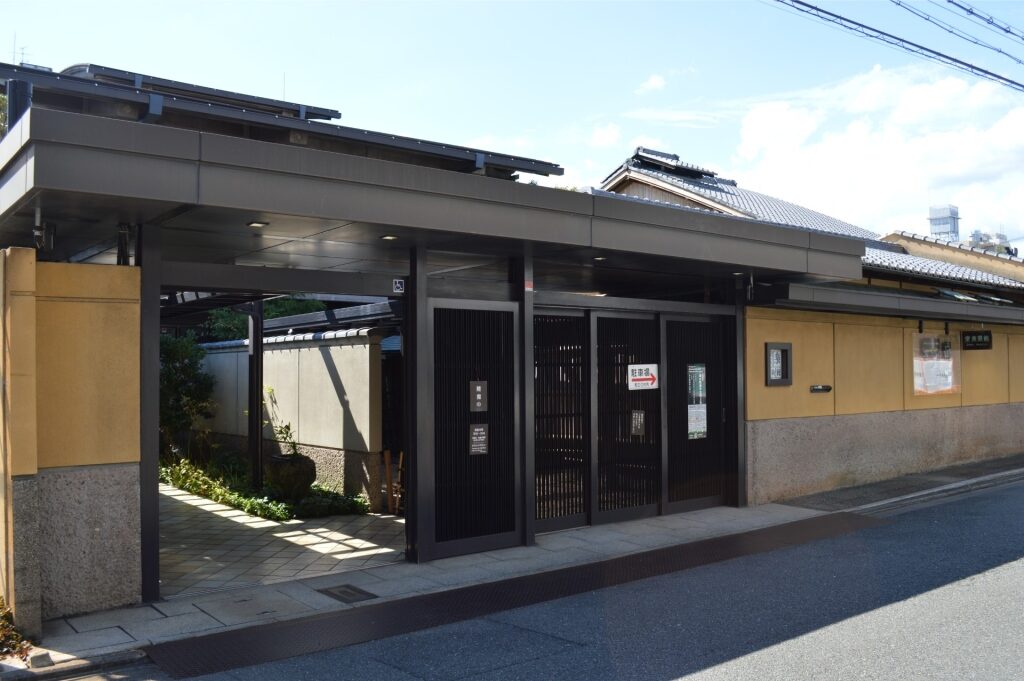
[14, 48]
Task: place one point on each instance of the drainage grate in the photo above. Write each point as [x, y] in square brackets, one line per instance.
[346, 593]
[267, 642]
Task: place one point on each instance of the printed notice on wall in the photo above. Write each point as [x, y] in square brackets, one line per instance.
[696, 402]
[936, 364]
[478, 438]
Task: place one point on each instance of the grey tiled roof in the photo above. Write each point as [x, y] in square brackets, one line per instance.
[879, 254]
[758, 205]
[912, 264]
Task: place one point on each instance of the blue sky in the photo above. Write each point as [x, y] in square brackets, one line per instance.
[784, 104]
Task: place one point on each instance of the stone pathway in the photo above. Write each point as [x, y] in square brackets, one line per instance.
[205, 546]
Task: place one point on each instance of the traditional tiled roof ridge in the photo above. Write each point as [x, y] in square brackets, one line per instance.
[954, 244]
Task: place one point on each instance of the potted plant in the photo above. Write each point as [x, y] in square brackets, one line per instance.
[290, 475]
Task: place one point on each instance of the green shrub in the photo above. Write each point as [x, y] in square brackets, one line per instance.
[186, 391]
[321, 501]
[190, 478]
[12, 643]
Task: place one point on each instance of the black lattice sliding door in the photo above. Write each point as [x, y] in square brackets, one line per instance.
[628, 422]
[695, 392]
[475, 449]
[562, 423]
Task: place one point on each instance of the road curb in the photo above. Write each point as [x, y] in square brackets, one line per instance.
[76, 666]
[953, 488]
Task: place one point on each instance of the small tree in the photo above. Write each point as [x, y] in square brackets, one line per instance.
[227, 324]
[3, 115]
[186, 391]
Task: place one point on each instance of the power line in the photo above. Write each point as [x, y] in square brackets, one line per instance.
[978, 22]
[890, 39]
[950, 28]
[977, 14]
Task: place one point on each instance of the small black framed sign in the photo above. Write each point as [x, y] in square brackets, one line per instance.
[976, 340]
[778, 364]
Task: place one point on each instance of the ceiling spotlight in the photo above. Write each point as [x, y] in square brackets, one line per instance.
[599, 258]
[738, 274]
[257, 224]
[389, 237]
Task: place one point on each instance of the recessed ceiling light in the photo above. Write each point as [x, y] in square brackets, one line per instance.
[738, 274]
[599, 258]
[257, 224]
[389, 237]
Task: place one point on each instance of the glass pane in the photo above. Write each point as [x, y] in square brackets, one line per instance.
[696, 402]
[775, 364]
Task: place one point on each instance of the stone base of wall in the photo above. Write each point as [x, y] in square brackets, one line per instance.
[77, 542]
[349, 471]
[792, 457]
[91, 538]
[25, 555]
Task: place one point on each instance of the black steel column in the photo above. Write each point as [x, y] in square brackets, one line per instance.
[255, 429]
[524, 284]
[147, 257]
[741, 409]
[419, 362]
[593, 505]
[664, 378]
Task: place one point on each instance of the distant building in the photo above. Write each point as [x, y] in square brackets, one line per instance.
[944, 222]
[992, 243]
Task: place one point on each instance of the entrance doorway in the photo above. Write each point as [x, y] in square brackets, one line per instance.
[632, 416]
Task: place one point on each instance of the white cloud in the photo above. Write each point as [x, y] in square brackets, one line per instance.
[879, 148]
[654, 82]
[606, 135]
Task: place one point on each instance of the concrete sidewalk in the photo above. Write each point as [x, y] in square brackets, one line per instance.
[892, 493]
[114, 635]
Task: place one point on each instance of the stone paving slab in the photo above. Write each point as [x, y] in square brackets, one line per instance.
[201, 614]
[206, 546]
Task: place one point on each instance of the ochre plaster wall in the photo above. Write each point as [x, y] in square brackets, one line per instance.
[868, 368]
[1015, 353]
[20, 353]
[812, 364]
[868, 361]
[87, 334]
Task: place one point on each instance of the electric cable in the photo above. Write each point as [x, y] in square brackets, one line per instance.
[949, 28]
[979, 16]
[907, 45]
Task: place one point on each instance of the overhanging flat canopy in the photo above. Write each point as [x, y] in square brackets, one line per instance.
[324, 210]
[850, 298]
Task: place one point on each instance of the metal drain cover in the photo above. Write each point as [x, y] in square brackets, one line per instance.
[346, 593]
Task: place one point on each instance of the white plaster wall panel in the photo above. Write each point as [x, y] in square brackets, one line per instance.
[281, 374]
[224, 368]
[242, 393]
[335, 396]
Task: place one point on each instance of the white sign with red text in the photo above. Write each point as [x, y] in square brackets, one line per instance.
[642, 376]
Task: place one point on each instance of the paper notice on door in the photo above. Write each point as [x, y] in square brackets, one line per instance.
[697, 402]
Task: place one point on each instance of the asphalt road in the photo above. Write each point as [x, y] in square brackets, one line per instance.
[938, 593]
